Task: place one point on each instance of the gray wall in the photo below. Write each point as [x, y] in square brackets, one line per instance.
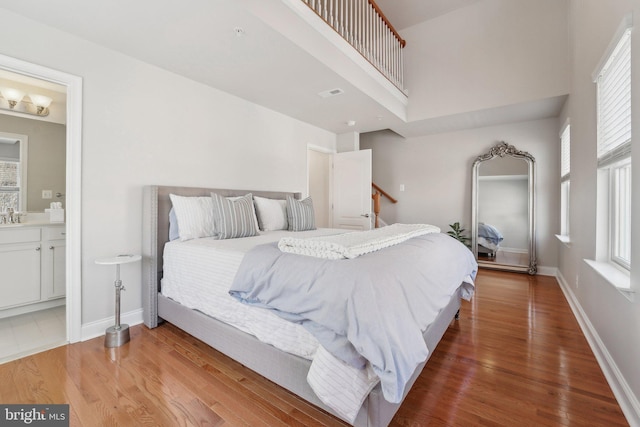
[609, 319]
[192, 135]
[490, 54]
[436, 173]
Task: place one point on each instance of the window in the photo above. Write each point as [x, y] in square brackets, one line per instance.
[565, 168]
[614, 154]
[9, 185]
[620, 221]
[13, 171]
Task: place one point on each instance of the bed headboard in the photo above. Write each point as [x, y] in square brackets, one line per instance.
[155, 233]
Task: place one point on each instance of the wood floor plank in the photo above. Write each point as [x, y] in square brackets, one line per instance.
[300, 412]
[517, 356]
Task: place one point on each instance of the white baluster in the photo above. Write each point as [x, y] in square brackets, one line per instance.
[343, 16]
[370, 31]
[359, 23]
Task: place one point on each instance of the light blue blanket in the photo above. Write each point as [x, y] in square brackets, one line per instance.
[490, 233]
[372, 308]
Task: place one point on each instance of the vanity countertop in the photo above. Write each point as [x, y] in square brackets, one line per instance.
[33, 219]
[30, 224]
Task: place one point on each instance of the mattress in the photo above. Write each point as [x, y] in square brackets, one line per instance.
[198, 273]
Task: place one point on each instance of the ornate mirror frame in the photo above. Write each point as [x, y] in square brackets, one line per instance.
[503, 149]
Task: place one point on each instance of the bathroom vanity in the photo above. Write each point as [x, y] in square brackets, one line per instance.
[32, 267]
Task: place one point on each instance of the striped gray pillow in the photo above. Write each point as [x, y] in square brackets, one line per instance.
[300, 214]
[234, 218]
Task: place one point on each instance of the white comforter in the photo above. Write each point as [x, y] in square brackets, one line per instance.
[352, 245]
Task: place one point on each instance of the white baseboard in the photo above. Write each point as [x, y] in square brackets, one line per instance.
[16, 311]
[97, 328]
[547, 271]
[624, 395]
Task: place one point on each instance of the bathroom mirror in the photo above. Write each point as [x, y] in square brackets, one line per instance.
[36, 144]
[503, 206]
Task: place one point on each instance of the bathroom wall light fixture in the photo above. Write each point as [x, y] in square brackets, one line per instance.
[15, 100]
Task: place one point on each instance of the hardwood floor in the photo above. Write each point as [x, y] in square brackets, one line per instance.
[516, 357]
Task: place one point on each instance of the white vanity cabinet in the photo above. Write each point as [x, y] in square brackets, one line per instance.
[32, 268]
[20, 259]
[53, 262]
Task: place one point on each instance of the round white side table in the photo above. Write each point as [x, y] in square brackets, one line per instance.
[118, 334]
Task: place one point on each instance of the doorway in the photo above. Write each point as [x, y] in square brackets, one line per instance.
[72, 193]
[319, 184]
[32, 307]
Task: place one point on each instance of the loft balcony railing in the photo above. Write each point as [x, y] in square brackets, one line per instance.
[364, 26]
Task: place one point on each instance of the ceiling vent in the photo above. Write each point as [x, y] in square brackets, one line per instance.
[331, 92]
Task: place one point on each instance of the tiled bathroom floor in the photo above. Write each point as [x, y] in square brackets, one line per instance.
[31, 333]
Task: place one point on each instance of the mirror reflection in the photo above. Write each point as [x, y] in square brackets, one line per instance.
[502, 224]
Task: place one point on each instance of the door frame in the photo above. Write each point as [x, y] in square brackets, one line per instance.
[73, 195]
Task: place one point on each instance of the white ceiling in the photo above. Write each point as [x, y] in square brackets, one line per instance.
[197, 39]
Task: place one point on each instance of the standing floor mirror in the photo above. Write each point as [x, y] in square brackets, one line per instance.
[503, 206]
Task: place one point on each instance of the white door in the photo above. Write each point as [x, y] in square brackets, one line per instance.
[351, 189]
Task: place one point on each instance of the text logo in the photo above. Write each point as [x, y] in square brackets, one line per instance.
[34, 415]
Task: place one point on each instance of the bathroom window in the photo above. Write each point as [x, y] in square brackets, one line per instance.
[9, 185]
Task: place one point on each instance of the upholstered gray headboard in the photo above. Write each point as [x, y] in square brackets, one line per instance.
[155, 233]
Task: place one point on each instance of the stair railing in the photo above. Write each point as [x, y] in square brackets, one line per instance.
[367, 29]
[376, 202]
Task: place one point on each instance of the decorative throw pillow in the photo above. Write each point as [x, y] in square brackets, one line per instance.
[194, 215]
[255, 217]
[272, 213]
[234, 218]
[300, 214]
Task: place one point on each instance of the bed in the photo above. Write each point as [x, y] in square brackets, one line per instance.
[285, 368]
[489, 238]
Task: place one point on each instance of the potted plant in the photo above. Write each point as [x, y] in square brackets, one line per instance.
[457, 232]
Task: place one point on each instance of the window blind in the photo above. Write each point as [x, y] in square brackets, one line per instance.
[614, 104]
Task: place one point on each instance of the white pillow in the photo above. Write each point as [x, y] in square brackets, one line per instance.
[272, 213]
[195, 216]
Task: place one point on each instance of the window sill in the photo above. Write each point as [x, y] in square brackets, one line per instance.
[614, 276]
[565, 239]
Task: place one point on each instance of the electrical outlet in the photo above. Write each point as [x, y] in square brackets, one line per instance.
[47, 194]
